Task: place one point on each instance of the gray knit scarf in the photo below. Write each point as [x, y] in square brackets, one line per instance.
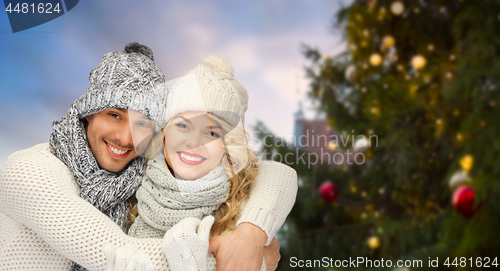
[163, 200]
[107, 191]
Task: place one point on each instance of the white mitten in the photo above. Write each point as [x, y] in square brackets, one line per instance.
[126, 258]
[185, 247]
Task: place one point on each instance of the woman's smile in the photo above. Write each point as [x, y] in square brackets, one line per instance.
[190, 158]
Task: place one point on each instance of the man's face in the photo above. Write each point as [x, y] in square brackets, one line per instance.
[118, 136]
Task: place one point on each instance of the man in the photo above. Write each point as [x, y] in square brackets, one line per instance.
[94, 157]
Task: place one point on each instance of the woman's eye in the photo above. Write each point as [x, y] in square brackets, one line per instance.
[142, 124]
[214, 134]
[181, 125]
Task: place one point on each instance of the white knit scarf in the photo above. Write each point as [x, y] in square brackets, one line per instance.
[163, 200]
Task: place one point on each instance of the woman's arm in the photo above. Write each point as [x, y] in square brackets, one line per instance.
[38, 190]
[272, 197]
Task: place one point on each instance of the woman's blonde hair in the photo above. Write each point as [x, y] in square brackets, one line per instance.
[240, 163]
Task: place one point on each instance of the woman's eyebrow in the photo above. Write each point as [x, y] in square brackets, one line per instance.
[214, 127]
[183, 118]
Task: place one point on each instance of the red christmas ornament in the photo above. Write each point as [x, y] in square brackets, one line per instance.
[328, 191]
[463, 201]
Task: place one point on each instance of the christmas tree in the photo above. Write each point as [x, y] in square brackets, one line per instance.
[423, 78]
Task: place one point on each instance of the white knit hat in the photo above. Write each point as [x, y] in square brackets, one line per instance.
[209, 87]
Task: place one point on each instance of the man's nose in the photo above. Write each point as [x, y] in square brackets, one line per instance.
[124, 136]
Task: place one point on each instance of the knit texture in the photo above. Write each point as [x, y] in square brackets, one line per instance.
[210, 87]
[122, 80]
[163, 200]
[45, 225]
[186, 244]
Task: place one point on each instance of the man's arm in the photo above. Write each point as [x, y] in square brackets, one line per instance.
[271, 199]
[37, 190]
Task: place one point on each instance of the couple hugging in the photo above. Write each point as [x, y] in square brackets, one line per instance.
[140, 177]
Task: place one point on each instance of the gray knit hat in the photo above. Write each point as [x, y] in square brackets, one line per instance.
[129, 80]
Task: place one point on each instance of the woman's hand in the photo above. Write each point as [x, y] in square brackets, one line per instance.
[185, 245]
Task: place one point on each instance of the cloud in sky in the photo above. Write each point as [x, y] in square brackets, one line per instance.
[46, 68]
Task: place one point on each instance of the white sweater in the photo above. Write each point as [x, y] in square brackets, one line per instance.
[45, 225]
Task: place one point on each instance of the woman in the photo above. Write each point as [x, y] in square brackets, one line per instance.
[205, 166]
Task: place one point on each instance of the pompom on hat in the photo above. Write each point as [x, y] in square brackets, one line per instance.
[209, 87]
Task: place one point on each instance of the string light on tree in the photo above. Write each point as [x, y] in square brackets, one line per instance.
[373, 242]
[375, 59]
[397, 8]
[361, 144]
[333, 145]
[418, 62]
[388, 41]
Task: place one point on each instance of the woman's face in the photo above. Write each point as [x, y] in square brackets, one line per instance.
[193, 144]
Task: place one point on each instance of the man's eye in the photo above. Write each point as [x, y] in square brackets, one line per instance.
[116, 116]
[181, 125]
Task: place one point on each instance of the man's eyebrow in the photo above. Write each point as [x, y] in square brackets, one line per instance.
[121, 109]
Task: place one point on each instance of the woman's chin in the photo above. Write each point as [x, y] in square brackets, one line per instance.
[187, 177]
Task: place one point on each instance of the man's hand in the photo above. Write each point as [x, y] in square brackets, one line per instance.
[272, 255]
[239, 250]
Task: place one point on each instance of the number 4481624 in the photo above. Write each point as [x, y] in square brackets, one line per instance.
[40, 8]
[478, 262]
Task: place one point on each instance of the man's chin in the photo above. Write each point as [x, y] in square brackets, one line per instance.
[113, 166]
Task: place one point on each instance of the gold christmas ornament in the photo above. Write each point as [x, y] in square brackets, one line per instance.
[375, 59]
[397, 8]
[388, 41]
[373, 242]
[418, 62]
[466, 162]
